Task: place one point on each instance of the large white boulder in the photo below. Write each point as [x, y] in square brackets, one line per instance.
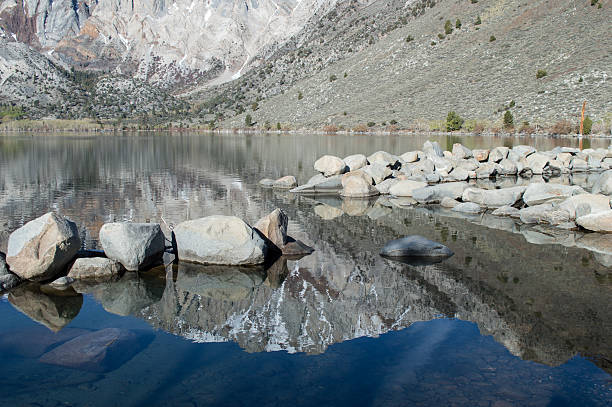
[356, 186]
[137, 246]
[493, 198]
[355, 161]
[217, 239]
[585, 204]
[329, 165]
[538, 193]
[597, 222]
[43, 247]
[405, 188]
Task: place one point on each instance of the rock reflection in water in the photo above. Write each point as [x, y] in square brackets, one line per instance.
[47, 306]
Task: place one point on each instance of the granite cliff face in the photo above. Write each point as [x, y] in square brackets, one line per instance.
[162, 42]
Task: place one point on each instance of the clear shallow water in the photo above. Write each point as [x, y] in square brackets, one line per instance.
[503, 321]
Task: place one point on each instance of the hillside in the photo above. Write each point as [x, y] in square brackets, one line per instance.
[390, 62]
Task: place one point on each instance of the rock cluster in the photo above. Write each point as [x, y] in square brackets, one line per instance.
[432, 176]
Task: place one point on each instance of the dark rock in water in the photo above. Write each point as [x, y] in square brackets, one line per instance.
[45, 305]
[100, 351]
[411, 247]
[296, 248]
[8, 280]
[33, 341]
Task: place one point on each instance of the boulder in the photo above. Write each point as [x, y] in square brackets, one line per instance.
[458, 174]
[266, 182]
[603, 185]
[322, 186]
[536, 163]
[357, 187]
[386, 185]
[481, 155]
[498, 154]
[224, 240]
[432, 149]
[460, 151]
[43, 247]
[447, 202]
[487, 170]
[537, 193]
[597, 222]
[355, 161]
[594, 160]
[469, 164]
[544, 213]
[442, 165]
[62, 282]
[435, 193]
[8, 280]
[578, 165]
[415, 246]
[95, 268]
[432, 178]
[410, 156]
[421, 167]
[493, 198]
[564, 158]
[137, 246]
[523, 151]
[507, 211]
[274, 227]
[507, 167]
[378, 171]
[467, 207]
[100, 351]
[585, 204]
[286, 182]
[329, 165]
[382, 157]
[405, 188]
[359, 173]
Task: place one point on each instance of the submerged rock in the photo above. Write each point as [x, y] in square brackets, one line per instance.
[544, 213]
[286, 182]
[95, 268]
[415, 246]
[100, 351]
[41, 249]
[219, 240]
[137, 246]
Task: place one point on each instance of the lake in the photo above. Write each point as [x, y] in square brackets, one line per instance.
[516, 317]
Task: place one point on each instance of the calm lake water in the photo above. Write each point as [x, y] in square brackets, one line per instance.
[503, 322]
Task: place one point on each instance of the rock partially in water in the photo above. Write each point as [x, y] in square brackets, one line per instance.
[41, 249]
[267, 182]
[432, 149]
[382, 157]
[603, 185]
[286, 182]
[507, 167]
[355, 161]
[95, 268]
[62, 282]
[449, 202]
[358, 173]
[536, 162]
[507, 211]
[585, 204]
[357, 187]
[406, 188]
[415, 246]
[137, 246]
[329, 165]
[467, 207]
[544, 213]
[493, 198]
[538, 193]
[219, 239]
[100, 351]
[274, 227]
[597, 222]
[435, 193]
[51, 308]
[487, 170]
[321, 186]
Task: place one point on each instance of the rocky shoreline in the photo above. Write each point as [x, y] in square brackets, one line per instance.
[518, 182]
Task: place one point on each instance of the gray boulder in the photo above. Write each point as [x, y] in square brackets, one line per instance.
[415, 246]
[382, 157]
[487, 170]
[603, 185]
[95, 268]
[493, 198]
[597, 222]
[320, 186]
[467, 207]
[578, 165]
[386, 185]
[355, 161]
[357, 187]
[432, 149]
[62, 282]
[442, 165]
[274, 227]
[435, 193]
[225, 240]
[410, 156]
[406, 187]
[585, 204]
[378, 171]
[507, 167]
[267, 182]
[469, 164]
[286, 182]
[8, 280]
[359, 173]
[329, 165]
[43, 247]
[460, 151]
[498, 154]
[458, 174]
[507, 211]
[538, 193]
[544, 213]
[447, 202]
[481, 155]
[536, 162]
[137, 246]
[523, 151]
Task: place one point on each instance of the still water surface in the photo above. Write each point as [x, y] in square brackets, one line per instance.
[502, 322]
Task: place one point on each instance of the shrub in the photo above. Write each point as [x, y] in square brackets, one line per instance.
[478, 21]
[453, 121]
[330, 129]
[478, 128]
[458, 24]
[587, 125]
[448, 27]
[508, 120]
[371, 124]
[526, 128]
[393, 122]
[441, 36]
[248, 120]
[254, 106]
[345, 74]
[433, 43]
[267, 125]
[492, 38]
[541, 73]
[300, 96]
[409, 38]
[561, 127]
[392, 128]
[360, 128]
[332, 78]
[278, 126]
